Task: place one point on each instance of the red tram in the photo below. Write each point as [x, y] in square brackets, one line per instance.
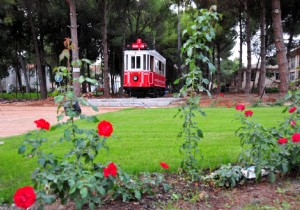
[144, 71]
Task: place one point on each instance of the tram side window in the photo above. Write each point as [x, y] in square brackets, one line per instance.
[163, 68]
[145, 62]
[151, 63]
[126, 62]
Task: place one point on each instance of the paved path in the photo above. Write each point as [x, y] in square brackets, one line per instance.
[133, 102]
[15, 120]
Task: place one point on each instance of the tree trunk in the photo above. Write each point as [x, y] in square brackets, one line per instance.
[43, 88]
[24, 71]
[248, 40]
[262, 75]
[75, 53]
[123, 65]
[218, 67]
[280, 47]
[105, 51]
[179, 47]
[240, 71]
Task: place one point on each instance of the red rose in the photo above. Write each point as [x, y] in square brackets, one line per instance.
[24, 197]
[292, 109]
[248, 113]
[111, 169]
[293, 122]
[296, 137]
[282, 140]
[43, 124]
[240, 107]
[221, 94]
[105, 128]
[164, 165]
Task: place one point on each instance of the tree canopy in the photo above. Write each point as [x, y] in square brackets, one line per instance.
[35, 30]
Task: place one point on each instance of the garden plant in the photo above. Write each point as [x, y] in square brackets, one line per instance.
[196, 52]
[76, 176]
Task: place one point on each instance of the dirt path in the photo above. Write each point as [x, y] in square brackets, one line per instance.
[15, 120]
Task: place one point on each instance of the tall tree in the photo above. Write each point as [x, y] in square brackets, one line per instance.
[75, 53]
[280, 46]
[105, 7]
[240, 71]
[248, 41]
[38, 57]
[262, 75]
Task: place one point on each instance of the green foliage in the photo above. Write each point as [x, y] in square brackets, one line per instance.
[195, 50]
[226, 176]
[76, 175]
[262, 146]
[272, 90]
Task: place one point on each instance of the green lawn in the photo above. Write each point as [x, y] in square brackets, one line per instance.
[142, 138]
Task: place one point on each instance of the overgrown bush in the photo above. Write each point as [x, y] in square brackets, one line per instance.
[275, 149]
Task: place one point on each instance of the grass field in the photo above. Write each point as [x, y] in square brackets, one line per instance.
[142, 138]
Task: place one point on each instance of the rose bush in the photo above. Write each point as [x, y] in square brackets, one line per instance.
[75, 176]
[273, 149]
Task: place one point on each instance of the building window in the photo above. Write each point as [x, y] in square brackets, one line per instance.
[292, 76]
[277, 76]
[293, 62]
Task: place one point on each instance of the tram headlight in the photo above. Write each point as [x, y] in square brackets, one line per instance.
[135, 78]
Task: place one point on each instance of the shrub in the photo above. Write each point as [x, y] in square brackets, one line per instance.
[76, 176]
[226, 176]
[273, 149]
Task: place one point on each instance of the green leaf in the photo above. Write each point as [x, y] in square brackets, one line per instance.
[49, 199]
[55, 93]
[83, 192]
[137, 194]
[95, 108]
[101, 190]
[189, 51]
[77, 63]
[81, 79]
[200, 133]
[205, 81]
[176, 81]
[58, 99]
[22, 149]
[211, 67]
[71, 182]
[93, 81]
[86, 61]
[42, 161]
[65, 54]
[51, 177]
[272, 177]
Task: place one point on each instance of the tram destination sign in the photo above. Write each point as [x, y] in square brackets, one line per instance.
[138, 44]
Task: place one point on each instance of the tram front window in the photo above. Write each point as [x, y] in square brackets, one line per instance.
[135, 62]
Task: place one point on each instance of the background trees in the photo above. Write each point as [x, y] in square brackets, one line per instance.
[32, 32]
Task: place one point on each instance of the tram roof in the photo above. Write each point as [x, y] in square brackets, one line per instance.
[142, 52]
